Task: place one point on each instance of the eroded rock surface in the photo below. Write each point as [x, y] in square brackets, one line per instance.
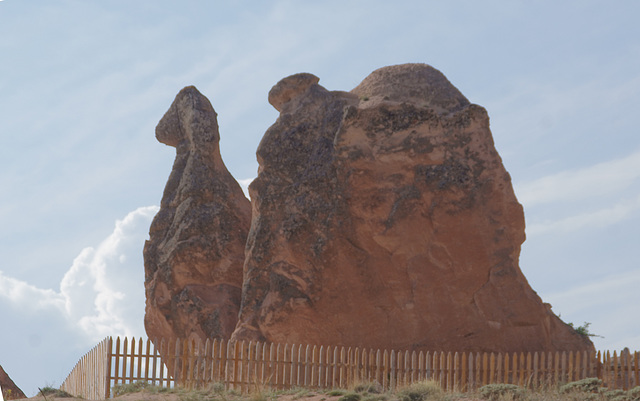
[9, 389]
[195, 254]
[383, 217]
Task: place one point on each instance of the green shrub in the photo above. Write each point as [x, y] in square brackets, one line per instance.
[54, 392]
[620, 395]
[368, 387]
[634, 393]
[197, 395]
[216, 387]
[351, 396]
[419, 391]
[588, 385]
[261, 395]
[128, 388]
[375, 397]
[335, 392]
[614, 393]
[299, 393]
[584, 330]
[495, 392]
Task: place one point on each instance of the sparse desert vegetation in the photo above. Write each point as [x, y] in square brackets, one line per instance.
[587, 389]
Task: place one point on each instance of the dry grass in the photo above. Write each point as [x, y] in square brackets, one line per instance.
[588, 390]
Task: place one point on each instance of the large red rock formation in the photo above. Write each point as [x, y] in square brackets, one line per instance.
[381, 217]
[195, 254]
[9, 389]
[384, 218]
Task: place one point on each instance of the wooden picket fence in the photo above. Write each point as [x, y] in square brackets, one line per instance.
[245, 366]
[88, 379]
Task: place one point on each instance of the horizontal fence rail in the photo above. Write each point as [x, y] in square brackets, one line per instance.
[246, 366]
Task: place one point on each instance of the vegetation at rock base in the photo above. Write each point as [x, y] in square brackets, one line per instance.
[587, 389]
[588, 385]
[497, 392]
[584, 330]
[48, 391]
[420, 391]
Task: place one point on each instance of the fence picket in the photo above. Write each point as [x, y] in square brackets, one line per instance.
[613, 371]
[472, 378]
[528, 372]
[636, 364]
[492, 368]
[321, 367]
[536, 371]
[485, 368]
[314, 367]
[605, 368]
[522, 368]
[626, 369]
[456, 372]
[443, 361]
[270, 365]
[139, 358]
[570, 367]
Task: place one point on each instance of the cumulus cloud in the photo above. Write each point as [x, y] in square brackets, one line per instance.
[30, 297]
[102, 293]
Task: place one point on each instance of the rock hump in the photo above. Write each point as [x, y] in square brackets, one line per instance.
[420, 84]
[381, 217]
[291, 87]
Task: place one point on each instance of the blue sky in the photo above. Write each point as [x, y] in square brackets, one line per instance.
[83, 84]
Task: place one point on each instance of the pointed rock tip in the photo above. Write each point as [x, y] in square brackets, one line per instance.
[188, 103]
[290, 87]
[415, 83]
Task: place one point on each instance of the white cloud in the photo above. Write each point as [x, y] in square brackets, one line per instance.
[607, 305]
[597, 180]
[598, 219]
[28, 296]
[244, 184]
[102, 293]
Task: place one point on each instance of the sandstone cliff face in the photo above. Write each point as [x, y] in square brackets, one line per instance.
[195, 253]
[384, 218]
